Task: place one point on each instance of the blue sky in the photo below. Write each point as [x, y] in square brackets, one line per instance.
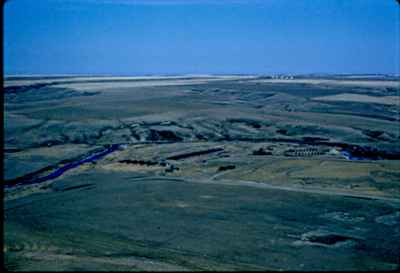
[136, 37]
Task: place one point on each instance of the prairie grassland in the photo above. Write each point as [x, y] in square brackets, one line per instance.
[209, 173]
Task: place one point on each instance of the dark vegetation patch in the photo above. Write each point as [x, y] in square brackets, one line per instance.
[311, 140]
[86, 93]
[201, 137]
[77, 187]
[171, 168]
[360, 197]
[391, 90]
[372, 133]
[379, 135]
[329, 239]
[225, 168]
[163, 135]
[301, 130]
[139, 162]
[12, 150]
[370, 153]
[197, 90]
[250, 122]
[186, 155]
[239, 138]
[261, 151]
[282, 132]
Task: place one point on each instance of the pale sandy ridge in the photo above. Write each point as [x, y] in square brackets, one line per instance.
[39, 80]
[362, 83]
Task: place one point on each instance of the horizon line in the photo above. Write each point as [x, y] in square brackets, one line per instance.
[192, 74]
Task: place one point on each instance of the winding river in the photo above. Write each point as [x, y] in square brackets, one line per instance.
[59, 171]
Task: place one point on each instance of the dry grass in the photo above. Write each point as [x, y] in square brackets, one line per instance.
[388, 100]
